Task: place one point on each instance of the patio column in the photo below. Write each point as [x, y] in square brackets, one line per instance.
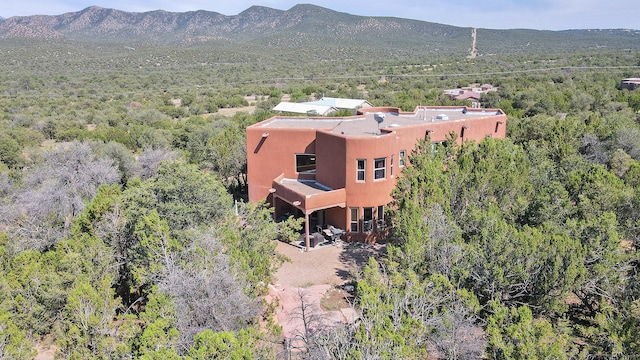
[306, 231]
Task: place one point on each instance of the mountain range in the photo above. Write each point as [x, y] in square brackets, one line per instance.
[299, 26]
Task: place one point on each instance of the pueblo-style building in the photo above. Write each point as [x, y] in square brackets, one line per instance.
[341, 171]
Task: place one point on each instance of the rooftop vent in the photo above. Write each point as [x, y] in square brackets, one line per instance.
[379, 117]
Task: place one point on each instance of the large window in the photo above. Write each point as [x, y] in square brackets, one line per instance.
[380, 168]
[401, 158]
[380, 223]
[436, 145]
[353, 227]
[391, 165]
[361, 165]
[306, 163]
[367, 219]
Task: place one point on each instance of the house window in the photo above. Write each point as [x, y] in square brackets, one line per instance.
[401, 157]
[354, 220]
[380, 223]
[306, 163]
[361, 169]
[380, 168]
[392, 156]
[367, 219]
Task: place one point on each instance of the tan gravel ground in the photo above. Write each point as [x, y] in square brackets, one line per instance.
[314, 274]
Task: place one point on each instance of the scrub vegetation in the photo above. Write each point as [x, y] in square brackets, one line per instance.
[124, 232]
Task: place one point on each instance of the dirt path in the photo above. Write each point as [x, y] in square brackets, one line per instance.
[318, 275]
[474, 35]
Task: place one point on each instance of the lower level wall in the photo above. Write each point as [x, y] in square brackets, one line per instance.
[368, 237]
[336, 217]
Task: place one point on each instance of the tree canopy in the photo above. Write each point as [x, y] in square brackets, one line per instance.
[119, 235]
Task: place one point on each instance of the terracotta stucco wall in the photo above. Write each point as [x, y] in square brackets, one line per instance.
[371, 192]
[270, 156]
[336, 155]
[330, 159]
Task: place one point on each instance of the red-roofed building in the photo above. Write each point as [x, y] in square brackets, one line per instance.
[469, 95]
[472, 93]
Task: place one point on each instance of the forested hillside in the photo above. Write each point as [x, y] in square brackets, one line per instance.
[306, 27]
[123, 231]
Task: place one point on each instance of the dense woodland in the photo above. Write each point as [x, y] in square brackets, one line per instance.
[124, 234]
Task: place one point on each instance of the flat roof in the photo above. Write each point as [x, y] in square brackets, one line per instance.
[340, 103]
[304, 108]
[366, 123]
[305, 187]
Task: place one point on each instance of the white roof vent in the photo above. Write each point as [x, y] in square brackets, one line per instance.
[442, 117]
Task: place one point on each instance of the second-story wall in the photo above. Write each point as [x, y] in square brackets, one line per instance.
[330, 159]
[370, 191]
[272, 146]
[465, 130]
[271, 152]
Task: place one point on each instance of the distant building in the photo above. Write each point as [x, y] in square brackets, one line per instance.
[339, 103]
[469, 95]
[340, 171]
[472, 93]
[304, 108]
[322, 107]
[630, 84]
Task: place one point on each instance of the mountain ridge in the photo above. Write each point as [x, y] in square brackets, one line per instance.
[301, 25]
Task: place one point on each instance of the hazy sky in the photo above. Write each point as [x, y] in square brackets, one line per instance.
[492, 14]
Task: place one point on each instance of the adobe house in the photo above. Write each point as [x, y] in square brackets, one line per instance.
[341, 171]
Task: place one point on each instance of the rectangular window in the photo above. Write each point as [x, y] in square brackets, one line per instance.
[306, 163]
[361, 169]
[380, 168]
[401, 157]
[380, 223]
[354, 220]
[392, 156]
[367, 219]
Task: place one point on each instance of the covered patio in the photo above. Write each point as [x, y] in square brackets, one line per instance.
[308, 196]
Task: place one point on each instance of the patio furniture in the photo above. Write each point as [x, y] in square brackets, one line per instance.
[333, 233]
[315, 239]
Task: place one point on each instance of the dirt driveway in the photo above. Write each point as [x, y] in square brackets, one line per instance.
[318, 275]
